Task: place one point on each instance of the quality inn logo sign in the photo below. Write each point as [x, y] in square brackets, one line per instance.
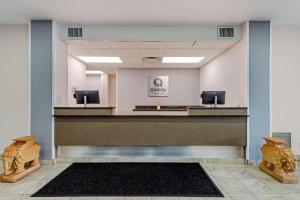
[158, 86]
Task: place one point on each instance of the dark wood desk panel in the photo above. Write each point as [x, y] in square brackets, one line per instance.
[150, 131]
[83, 111]
[217, 111]
[204, 126]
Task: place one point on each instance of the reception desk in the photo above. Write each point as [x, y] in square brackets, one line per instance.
[202, 126]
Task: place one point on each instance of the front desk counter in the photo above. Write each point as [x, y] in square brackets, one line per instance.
[201, 127]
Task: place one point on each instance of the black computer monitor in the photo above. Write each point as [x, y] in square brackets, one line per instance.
[213, 97]
[92, 96]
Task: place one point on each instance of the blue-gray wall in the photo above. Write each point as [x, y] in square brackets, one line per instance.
[41, 84]
[259, 85]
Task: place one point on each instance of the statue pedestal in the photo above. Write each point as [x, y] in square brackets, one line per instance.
[15, 177]
[20, 159]
[286, 178]
[279, 161]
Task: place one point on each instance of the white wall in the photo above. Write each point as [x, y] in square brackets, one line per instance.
[286, 82]
[93, 82]
[104, 90]
[14, 84]
[76, 78]
[60, 68]
[229, 72]
[132, 88]
[112, 90]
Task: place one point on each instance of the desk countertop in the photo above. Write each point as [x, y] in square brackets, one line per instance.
[206, 107]
[164, 109]
[189, 112]
[107, 107]
[186, 108]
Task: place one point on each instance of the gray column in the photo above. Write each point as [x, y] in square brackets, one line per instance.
[259, 85]
[41, 84]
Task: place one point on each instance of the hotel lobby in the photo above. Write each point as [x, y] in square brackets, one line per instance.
[149, 100]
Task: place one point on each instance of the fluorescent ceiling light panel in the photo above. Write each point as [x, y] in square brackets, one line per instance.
[182, 59]
[93, 72]
[93, 59]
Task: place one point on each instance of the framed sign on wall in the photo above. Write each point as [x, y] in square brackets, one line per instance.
[158, 86]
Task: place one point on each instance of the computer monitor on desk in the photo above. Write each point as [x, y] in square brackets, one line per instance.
[87, 97]
[213, 97]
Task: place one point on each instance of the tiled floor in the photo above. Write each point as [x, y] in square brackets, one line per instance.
[234, 179]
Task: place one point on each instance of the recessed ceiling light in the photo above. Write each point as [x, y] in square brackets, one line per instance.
[93, 59]
[182, 59]
[89, 72]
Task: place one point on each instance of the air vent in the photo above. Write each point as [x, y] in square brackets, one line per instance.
[226, 32]
[152, 60]
[74, 32]
[283, 136]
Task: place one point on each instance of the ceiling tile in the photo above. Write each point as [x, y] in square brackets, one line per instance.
[147, 65]
[219, 44]
[176, 52]
[126, 52]
[79, 52]
[175, 45]
[103, 52]
[151, 52]
[96, 44]
[154, 45]
[203, 52]
[127, 60]
[132, 53]
[125, 45]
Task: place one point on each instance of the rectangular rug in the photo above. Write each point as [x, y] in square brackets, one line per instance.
[131, 179]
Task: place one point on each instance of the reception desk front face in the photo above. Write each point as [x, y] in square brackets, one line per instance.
[218, 128]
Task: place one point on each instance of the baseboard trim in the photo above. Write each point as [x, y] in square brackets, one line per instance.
[48, 162]
[252, 162]
[151, 151]
[150, 159]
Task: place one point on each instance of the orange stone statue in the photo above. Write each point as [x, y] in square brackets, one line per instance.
[20, 159]
[279, 160]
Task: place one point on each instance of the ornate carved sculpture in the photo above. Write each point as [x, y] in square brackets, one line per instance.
[20, 159]
[279, 161]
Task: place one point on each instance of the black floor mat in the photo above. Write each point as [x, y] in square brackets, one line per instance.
[131, 179]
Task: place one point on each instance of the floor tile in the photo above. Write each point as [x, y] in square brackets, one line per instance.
[257, 173]
[236, 181]
[97, 198]
[279, 187]
[240, 172]
[243, 197]
[232, 186]
[257, 186]
[269, 197]
[218, 198]
[219, 172]
[295, 187]
[19, 187]
[291, 196]
[2, 186]
[28, 197]
[9, 197]
[39, 185]
[54, 172]
[41, 173]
